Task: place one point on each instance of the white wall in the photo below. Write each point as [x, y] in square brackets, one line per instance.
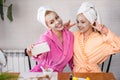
[25, 29]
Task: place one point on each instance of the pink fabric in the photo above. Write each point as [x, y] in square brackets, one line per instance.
[89, 53]
[60, 53]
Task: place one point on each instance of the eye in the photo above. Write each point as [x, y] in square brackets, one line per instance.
[56, 17]
[82, 22]
[77, 21]
[51, 22]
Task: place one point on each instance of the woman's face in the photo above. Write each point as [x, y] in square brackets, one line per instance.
[82, 23]
[54, 21]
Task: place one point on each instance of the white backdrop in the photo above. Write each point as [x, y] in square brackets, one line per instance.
[25, 29]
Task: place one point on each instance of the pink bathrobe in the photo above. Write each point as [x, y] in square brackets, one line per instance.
[60, 53]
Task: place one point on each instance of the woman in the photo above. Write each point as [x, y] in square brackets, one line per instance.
[59, 39]
[93, 42]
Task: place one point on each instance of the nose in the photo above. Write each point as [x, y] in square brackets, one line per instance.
[79, 24]
[56, 22]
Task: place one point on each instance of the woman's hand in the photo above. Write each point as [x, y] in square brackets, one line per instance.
[102, 28]
[29, 53]
[67, 25]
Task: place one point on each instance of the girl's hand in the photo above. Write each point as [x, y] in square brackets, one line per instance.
[67, 25]
[102, 28]
[29, 50]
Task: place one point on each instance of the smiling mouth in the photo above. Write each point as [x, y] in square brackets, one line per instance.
[81, 28]
[59, 26]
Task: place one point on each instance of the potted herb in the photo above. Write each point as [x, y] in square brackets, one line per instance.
[8, 76]
[9, 10]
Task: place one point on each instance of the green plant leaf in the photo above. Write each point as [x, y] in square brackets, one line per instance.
[9, 13]
[4, 1]
[8, 76]
[1, 10]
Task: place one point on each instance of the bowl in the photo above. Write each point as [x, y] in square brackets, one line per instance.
[48, 72]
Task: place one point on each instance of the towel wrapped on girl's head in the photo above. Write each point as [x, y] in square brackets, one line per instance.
[90, 12]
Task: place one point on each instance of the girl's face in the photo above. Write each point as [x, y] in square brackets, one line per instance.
[54, 21]
[82, 23]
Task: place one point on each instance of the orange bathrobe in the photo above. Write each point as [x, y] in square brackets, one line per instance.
[93, 51]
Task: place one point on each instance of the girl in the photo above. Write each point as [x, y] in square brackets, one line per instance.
[93, 42]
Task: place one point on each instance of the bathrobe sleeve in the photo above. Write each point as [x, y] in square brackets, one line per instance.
[114, 41]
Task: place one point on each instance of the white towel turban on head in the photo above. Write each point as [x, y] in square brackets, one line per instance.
[41, 14]
[89, 11]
